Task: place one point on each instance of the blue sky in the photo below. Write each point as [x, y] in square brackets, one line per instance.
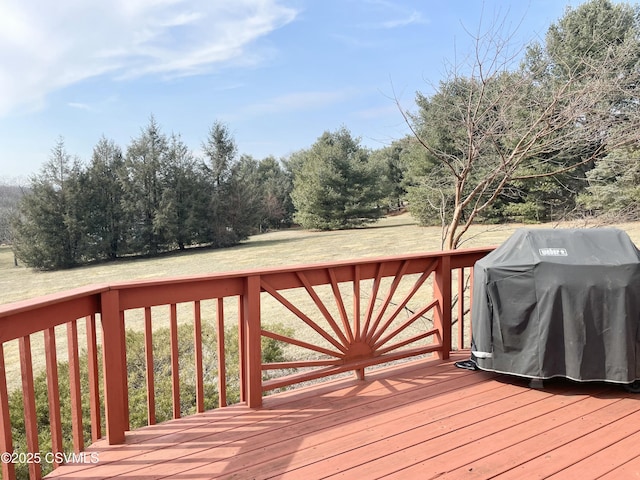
[277, 72]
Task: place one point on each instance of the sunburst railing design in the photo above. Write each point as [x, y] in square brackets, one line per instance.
[356, 316]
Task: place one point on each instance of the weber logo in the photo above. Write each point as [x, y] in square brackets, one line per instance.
[553, 252]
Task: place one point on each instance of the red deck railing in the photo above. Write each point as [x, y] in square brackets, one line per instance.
[347, 316]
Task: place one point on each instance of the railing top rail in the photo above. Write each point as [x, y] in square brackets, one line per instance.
[300, 267]
[182, 288]
[25, 317]
[51, 299]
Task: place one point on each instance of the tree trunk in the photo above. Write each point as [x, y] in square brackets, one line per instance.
[449, 242]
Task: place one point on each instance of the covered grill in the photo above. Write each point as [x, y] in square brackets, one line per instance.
[559, 303]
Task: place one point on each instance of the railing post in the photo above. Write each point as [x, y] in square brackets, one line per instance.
[114, 367]
[442, 293]
[252, 328]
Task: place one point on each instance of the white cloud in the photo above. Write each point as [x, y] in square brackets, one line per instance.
[396, 14]
[383, 111]
[95, 106]
[294, 102]
[413, 18]
[80, 106]
[46, 46]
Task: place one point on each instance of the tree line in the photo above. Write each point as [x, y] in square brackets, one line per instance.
[532, 133]
[155, 197]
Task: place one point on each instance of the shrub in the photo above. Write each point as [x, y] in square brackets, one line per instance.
[136, 370]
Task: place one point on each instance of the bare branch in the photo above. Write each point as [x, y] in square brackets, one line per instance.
[500, 124]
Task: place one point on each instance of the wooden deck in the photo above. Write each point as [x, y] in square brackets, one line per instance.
[420, 420]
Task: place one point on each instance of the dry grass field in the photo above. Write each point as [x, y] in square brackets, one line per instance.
[391, 236]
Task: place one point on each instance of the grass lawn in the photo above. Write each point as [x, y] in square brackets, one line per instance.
[391, 236]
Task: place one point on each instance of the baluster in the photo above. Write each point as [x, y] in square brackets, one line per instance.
[461, 309]
[175, 372]
[6, 439]
[242, 348]
[125, 373]
[356, 313]
[197, 346]
[29, 401]
[222, 368]
[148, 357]
[74, 386]
[94, 378]
[471, 272]
[53, 392]
[356, 303]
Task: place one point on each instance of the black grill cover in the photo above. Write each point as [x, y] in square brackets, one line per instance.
[559, 303]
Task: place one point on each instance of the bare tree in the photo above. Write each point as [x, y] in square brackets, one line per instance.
[9, 198]
[495, 120]
[10, 195]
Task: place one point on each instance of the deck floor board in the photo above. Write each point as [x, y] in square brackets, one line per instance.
[422, 420]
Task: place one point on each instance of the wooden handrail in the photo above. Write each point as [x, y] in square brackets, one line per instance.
[360, 313]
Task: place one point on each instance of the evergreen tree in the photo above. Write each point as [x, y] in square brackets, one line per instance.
[593, 32]
[390, 162]
[614, 186]
[334, 184]
[492, 136]
[234, 211]
[277, 207]
[105, 222]
[47, 228]
[220, 151]
[596, 32]
[243, 194]
[178, 214]
[143, 183]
